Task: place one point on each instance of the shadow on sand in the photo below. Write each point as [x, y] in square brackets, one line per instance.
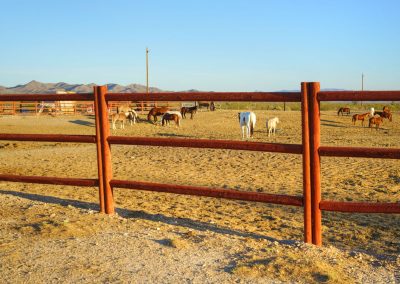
[138, 214]
[174, 135]
[83, 122]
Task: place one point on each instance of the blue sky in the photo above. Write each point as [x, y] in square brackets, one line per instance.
[206, 45]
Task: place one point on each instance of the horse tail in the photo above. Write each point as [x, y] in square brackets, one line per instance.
[149, 116]
[339, 111]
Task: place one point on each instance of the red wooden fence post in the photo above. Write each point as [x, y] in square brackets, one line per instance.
[314, 117]
[306, 164]
[98, 147]
[104, 128]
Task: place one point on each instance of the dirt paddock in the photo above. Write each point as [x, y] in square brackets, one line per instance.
[54, 234]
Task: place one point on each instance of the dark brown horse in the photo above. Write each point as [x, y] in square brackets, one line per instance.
[343, 109]
[156, 111]
[191, 110]
[203, 104]
[385, 114]
[171, 116]
[377, 121]
[361, 117]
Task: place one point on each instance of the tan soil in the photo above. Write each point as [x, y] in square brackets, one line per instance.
[54, 234]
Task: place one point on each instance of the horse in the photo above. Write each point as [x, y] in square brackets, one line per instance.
[172, 112]
[191, 110]
[203, 104]
[129, 113]
[118, 117]
[371, 111]
[155, 111]
[385, 114]
[359, 117]
[247, 121]
[212, 106]
[386, 109]
[271, 125]
[123, 108]
[377, 121]
[343, 109]
[171, 116]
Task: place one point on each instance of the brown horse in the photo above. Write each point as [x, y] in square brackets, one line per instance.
[171, 116]
[155, 111]
[377, 121]
[118, 117]
[343, 109]
[191, 110]
[385, 114]
[203, 104]
[361, 117]
[386, 109]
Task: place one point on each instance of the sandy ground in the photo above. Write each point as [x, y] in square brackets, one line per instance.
[54, 234]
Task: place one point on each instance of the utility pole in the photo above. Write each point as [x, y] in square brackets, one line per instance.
[362, 83]
[147, 70]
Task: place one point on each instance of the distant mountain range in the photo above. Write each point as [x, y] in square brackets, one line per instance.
[35, 87]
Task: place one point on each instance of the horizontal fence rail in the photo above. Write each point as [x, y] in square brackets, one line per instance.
[205, 143]
[360, 152]
[359, 95]
[50, 180]
[210, 192]
[47, 97]
[360, 207]
[49, 138]
[208, 96]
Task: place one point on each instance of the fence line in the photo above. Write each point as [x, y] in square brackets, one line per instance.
[310, 149]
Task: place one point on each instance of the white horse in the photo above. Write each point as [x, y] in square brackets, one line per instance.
[271, 125]
[247, 122]
[372, 112]
[132, 116]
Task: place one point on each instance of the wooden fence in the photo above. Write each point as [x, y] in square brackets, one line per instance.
[310, 149]
[71, 107]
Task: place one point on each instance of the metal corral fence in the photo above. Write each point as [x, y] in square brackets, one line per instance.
[310, 149]
[71, 107]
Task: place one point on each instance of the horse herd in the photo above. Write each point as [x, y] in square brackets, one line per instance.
[374, 117]
[126, 113]
[247, 120]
